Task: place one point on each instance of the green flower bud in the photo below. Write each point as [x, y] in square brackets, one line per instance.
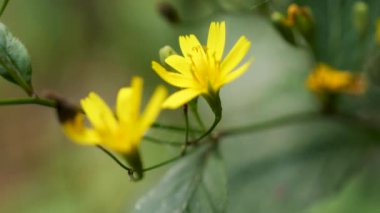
[165, 52]
[279, 22]
[168, 12]
[134, 160]
[360, 18]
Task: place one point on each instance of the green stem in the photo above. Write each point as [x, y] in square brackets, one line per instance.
[113, 157]
[286, 120]
[214, 124]
[22, 101]
[194, 109]
[216, 106]
[162, 163]
[359, 124]
[172, 127]
[186, 114]
[5, 3]
[158, 141]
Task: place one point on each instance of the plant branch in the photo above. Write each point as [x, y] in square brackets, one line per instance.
[286, 120]
[162, 163]
[158, 141]
[172, 127]
[129, 170]
[186, 114]
[5, 3]
[33, 100]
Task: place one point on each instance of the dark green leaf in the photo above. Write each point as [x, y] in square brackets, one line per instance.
[197, 183]
[15, 64]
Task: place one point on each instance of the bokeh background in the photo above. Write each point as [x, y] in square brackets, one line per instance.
[82, 46]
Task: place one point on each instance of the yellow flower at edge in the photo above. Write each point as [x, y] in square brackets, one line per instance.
[201, 70]
[121, 131]
[325, 79]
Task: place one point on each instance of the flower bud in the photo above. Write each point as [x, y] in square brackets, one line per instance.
[278, 21]
[360, 18]
[168, 12]
[134, 160]
[165, 52]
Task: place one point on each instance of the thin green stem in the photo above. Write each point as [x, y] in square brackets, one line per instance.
[216, 106]
[158, 141]
[214, 124]
[129, 170]
[187, 124]
[198, 119]
[162, 163]
[172, 127]
[33, 100]
[5, 3]
[357, 123]
[282, 121]
[186, 114]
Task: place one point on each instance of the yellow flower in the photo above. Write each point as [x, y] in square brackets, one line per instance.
[325, 79]
[121, 131]
[201, 70]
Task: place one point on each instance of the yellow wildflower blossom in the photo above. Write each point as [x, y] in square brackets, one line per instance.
[325, 79]
[121, 131]
[201, 70]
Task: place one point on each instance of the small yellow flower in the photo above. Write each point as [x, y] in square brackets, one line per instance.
[121, 131]
[201, 70]
[325, 79]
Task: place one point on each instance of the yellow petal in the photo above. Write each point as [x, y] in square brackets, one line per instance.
[180, 64]
[235, 74]
[99, 114]
[172, 78]
[76, 131]
[236, 54]
[123, 104]
[188, 43]
[180, 98]
[153, 109]
[216, 39]
[137, 87]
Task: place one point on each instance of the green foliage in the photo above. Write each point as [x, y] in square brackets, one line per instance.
[342, 38]
[15, 65]
[197, 183]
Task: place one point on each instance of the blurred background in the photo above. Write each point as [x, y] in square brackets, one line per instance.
[94, 45]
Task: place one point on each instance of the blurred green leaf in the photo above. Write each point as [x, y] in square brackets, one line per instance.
[360, 195]
[297, 178]
[15, 65]
[197, 183]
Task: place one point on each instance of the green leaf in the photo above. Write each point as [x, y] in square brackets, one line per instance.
[292, 175]
[197, 183]
[15, 65]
